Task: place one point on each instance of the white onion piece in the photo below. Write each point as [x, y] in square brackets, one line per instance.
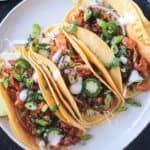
[128, 18]
[54, 138]
[134, 77]
[41, 144]
[67, 71]
[109, 11]
[54, 33]
[23, 95]
[56, 75]
[124, 60]
[35, 77]
[56, 56]
[64, 61]
[7, 64]
[61, 63]
[76, 87]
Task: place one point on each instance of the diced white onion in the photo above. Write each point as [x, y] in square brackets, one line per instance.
[7, 64]
[41, 144]
[35, 77]
[23, 95]
[54, 33]
[128, 18]
[56, 56]
[54, 138]
[76, 87]
[124, 60]
[91, 2]
[56, 75]
[67, 71]
[134, 77]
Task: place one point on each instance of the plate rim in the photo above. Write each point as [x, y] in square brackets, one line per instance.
[123, 144]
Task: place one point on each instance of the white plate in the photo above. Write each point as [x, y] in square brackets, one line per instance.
[113, 135]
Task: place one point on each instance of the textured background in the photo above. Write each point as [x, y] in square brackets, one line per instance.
[142, 142]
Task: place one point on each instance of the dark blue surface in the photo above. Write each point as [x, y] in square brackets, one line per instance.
[142, 142]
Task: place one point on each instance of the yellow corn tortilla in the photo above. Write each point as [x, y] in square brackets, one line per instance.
[144, 20]
[3, 112]
[96, 119]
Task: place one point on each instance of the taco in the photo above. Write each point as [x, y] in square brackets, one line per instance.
[92, 100]
[122, 26]
[36, 119]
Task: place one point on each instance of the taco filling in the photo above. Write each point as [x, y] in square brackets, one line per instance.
[89, 93]
[21, 82]
[104, 21]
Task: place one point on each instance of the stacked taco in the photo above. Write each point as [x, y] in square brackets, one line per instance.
[122, 26]
[79, 82]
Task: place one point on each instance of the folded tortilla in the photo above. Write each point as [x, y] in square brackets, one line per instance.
[144, 20]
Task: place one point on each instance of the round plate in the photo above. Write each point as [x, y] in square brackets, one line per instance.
[116, 133]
